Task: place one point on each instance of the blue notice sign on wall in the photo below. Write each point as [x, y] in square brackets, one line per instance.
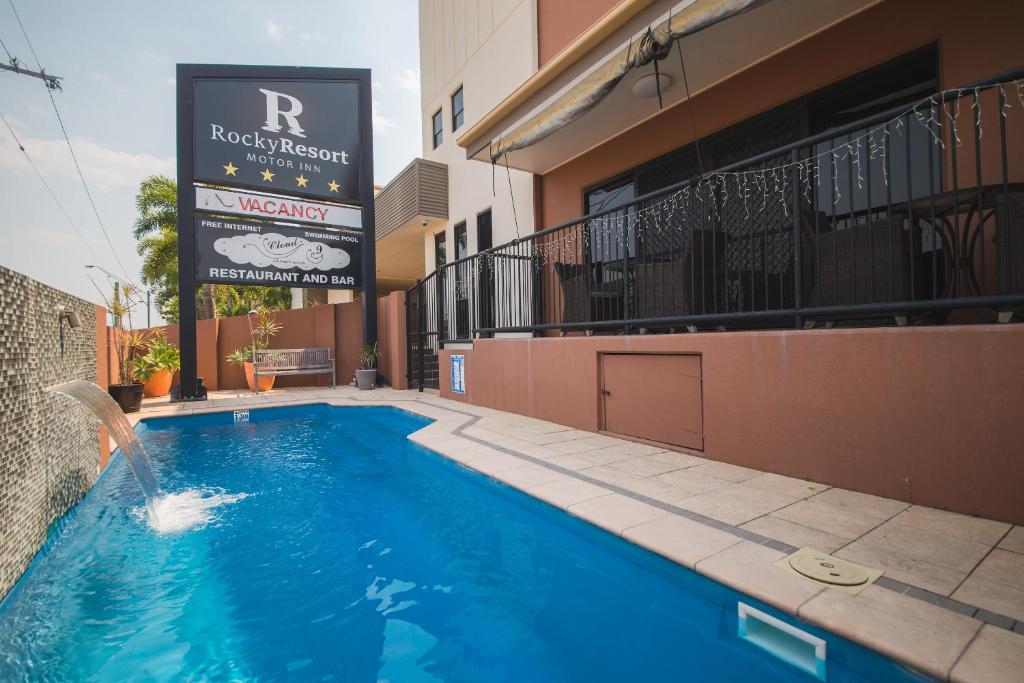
[458, 374]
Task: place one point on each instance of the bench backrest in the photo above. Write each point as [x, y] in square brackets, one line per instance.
[292, 359]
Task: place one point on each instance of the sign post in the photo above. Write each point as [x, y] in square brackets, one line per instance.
[275, 185]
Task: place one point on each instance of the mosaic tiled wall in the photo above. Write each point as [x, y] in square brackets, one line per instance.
[49, 448]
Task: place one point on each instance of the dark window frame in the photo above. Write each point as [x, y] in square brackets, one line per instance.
[460, 227]
[437, 127]
[490, 229]
[440, 249]
[458, 115]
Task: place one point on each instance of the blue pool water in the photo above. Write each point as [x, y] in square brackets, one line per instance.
[359, 556]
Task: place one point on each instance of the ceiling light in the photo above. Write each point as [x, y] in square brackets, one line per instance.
[647, 85]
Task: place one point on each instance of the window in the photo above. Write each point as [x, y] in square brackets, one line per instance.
[438, 126]
[461, 244]
[440, 258]
[484, 238]
[458, 116]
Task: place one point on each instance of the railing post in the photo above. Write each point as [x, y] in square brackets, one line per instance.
[421, 314]
[798, 264]
[627, 289]
[408, 342]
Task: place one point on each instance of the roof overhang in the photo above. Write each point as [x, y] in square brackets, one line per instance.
[722, 47]
[414, 202]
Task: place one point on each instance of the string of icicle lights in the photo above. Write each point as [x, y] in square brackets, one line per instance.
[761, 189]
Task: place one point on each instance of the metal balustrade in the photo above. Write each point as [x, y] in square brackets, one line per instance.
[899, 218]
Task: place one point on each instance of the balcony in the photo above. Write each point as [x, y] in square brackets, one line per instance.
[914, 216]
[405, 208]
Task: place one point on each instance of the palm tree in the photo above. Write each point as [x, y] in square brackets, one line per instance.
[156, 229]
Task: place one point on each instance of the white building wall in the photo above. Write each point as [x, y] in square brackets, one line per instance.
[489, 47]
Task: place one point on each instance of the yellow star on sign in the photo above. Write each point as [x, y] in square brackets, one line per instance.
[230, 169]
[267, 175]
[333, 185]
[301, 181]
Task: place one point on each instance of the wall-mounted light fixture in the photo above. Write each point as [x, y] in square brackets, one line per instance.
[72, 320]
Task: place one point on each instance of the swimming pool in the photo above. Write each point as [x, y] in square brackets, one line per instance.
[356, 555]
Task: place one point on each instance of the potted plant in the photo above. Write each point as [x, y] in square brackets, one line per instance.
[128, 344]
[156, 368]
[366, 375]
[260, 334]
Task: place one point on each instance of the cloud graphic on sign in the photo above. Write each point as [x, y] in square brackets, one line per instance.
[280, 251]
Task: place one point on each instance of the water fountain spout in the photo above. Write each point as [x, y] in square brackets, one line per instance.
[112, 417]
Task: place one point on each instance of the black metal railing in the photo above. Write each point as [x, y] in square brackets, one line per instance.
[901, 217]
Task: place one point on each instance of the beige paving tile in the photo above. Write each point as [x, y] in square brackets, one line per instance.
[658, 490]
[608, 474]
[994, 656]
[1014, 540]
[635, 448]
[679, 460]
[922, 544]
[573, 446]
[747, 567]
[563, 493]
[679, 539]
[497, 462]
[529, 475]
[604, 456]
[997, 584]
[541, 452]
[616, 512]
[880, 508]
[691, 482]
[602, 441]
[723, 470]
[776, 483]
[570, 462]
[735, 503]
[835, 519]
[928, 637]
[796, 534]
[643, 466]
[972, 529]
[899, 566]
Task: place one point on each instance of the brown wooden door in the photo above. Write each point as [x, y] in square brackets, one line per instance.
[653, 396]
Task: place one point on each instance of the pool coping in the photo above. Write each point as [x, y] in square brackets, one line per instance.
[936, 635]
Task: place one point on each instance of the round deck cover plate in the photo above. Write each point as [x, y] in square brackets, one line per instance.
[828, 570]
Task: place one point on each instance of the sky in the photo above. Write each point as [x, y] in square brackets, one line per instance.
[117, 59]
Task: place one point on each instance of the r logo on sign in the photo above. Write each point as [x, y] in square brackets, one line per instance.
[291, 116]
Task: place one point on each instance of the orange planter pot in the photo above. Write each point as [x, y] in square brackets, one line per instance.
[159, 384]
[266, 381]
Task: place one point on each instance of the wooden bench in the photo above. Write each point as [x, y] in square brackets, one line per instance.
[292, 362]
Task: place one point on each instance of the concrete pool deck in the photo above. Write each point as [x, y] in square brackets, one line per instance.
[950, 602]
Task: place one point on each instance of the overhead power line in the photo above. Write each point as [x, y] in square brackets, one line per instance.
[71, 149]
[53, 195]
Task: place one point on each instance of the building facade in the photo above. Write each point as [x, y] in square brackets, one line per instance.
[472, 56]
[795, 217]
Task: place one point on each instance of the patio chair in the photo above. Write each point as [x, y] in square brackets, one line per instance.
[681, 286]
[868, 263]
[1010, 242]
[584, 300]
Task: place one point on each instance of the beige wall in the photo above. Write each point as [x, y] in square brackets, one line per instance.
[927, 415]
[489, 47]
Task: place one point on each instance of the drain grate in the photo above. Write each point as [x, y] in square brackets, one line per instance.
[824, 568]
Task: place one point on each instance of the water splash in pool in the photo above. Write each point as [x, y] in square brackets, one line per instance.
[187, 510]
[99, 402]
